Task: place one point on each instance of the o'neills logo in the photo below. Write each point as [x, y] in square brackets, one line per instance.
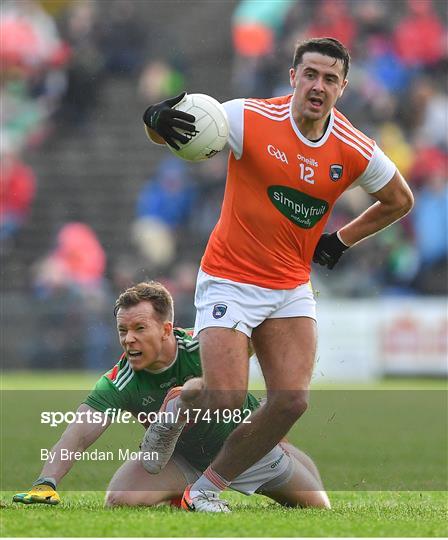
[300, 208]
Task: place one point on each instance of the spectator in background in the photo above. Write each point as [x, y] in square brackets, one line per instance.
[333, 19]
[79, 25]
[164, 205]
[383, 67]
[73, 295]
[427, 161]
[122, 37]
[419, 36]
[255, 28]
[33, 61]
[169, 195]
[430, 218]
[433, 128]
[401, 260]
[182, 280]
[372, 19]
[158, 80]
[211, 182]
[393, 142]
[17, 191]
[29, 36]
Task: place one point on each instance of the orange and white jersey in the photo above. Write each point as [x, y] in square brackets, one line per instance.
[280, 190]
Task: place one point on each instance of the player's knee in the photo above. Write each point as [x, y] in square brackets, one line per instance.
[121, 498]
[114, 498]
[308, 499]
[289, 406]
[317, 499]
[299, 405]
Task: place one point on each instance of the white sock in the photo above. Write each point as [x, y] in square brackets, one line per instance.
[209, 481]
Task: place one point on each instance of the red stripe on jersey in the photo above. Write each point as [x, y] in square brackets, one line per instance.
[113, 373]
[188, 331]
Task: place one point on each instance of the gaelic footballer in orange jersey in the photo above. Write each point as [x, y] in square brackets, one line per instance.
[291, 158]
[281, 188]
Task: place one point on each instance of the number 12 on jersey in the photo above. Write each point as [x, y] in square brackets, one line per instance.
[306, 173]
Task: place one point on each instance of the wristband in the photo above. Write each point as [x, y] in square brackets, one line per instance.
[340, 240]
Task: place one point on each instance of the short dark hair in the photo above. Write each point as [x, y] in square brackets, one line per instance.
[327, 46]
[148, 291]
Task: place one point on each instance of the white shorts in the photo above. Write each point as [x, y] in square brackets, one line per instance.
[228, 304]
[270, 472]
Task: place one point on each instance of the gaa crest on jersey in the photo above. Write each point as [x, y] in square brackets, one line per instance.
[336, 172]
[219, 310]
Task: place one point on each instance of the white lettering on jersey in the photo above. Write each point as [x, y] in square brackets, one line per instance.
[306, 168]
[278, 154]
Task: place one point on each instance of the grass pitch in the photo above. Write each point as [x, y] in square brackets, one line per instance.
[382, 481]
[364, 514]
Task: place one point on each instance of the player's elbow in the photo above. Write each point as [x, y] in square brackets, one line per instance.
[405, 201]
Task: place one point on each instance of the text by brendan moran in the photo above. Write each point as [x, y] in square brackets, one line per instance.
[122, 454]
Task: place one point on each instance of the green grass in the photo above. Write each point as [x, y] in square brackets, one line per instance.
[381, 449]
[364, 514]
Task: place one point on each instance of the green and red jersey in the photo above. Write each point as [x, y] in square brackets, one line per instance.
[144, 391]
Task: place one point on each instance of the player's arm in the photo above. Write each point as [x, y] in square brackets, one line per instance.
[394, 201]
[161, 121]
[235, 114]
[76, 438]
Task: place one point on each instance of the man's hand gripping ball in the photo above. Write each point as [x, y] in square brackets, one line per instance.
[163, 119]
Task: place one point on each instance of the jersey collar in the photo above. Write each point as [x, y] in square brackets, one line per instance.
[306, 141]
[166, 368]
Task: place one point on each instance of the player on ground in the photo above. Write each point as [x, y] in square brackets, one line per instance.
[291, 158]
[156, 359]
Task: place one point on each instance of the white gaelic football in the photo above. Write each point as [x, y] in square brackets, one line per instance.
[212, 128]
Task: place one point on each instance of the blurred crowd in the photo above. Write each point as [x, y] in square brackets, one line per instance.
[51, 71]
[53, 65]
[397, 94]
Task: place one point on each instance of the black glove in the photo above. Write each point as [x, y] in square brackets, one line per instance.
[329, 250]
[163, 119]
